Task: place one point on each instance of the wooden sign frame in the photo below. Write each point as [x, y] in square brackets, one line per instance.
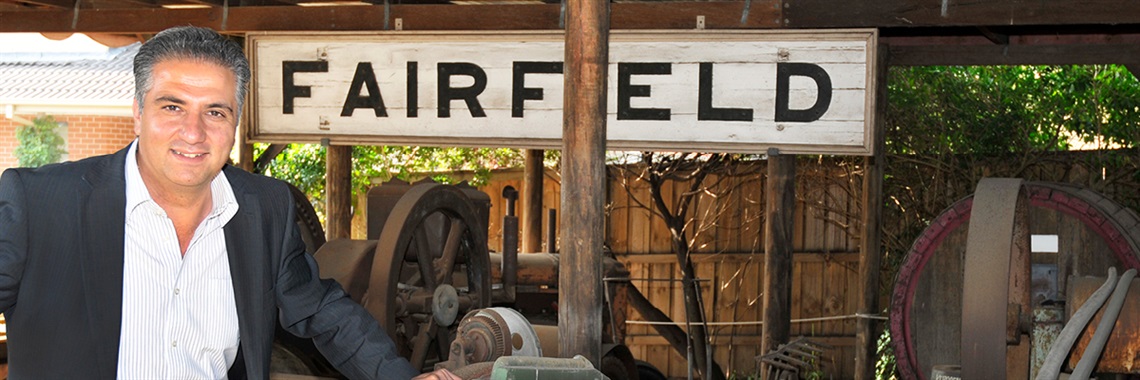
[802, 92]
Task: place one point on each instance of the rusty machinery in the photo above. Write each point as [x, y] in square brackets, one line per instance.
[426, 274]
[1005, 331]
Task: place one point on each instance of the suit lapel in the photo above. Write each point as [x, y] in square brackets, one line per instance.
[104, 204]
[248, 269]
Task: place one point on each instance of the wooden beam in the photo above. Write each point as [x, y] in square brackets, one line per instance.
[969, 55]
[212, 3]
[270, 153]
[584, 179]
[995, 37]
[655, 15]
[1134, 68]
[338, 192]
[902, 14]
[870, 258]
[779, 205]
[534, 171]
[912, 13]
[58, 4]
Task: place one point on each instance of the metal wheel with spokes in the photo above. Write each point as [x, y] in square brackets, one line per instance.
[431, 267]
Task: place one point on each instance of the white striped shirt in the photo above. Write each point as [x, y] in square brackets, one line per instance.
[179, 314]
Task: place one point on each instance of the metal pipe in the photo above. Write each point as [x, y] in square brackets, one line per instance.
[551, 230]
[1104, 328]
[510, 243]
[531, 221]
[512, 196]
[1051, 369]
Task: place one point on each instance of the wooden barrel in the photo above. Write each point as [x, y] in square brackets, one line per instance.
[1092, 232]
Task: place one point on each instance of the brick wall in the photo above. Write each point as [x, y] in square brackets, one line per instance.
[94, 135]
[7, 143]
[87, 135]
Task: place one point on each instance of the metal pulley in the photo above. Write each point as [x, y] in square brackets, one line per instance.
[996, 300]
[485, 335]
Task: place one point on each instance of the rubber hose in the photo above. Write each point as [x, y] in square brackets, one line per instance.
[1104, 328]
[1051, 367]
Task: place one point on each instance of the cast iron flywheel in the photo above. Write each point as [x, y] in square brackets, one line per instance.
[431, 267]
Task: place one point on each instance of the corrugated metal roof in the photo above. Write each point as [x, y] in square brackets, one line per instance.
[54, 78]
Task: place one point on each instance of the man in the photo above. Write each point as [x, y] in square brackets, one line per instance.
[160, 261]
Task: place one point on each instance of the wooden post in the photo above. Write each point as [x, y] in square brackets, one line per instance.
[866, 330]
[779, 205]
[338, 192]
[532, 202]
[584, 176]
[245, 156]
[245, 149]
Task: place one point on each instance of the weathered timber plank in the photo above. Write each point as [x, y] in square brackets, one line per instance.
[705, 210]
[812, 296]
[798, 257]
[854, 281]
[551, 199]
[651, 15]
[639, 272]
[752, 218]
[913, 13]
[706, 272]
[640, 218]
[799, 228]
[1069, 54]
[837, 341]
[835, 292]
[619, 223]
[730, 228]
[660, 239]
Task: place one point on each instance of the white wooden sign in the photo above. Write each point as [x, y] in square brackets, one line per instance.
[715, 91]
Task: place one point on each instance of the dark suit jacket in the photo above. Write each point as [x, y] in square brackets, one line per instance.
[61, 277]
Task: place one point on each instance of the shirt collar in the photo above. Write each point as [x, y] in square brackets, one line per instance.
[225, 203]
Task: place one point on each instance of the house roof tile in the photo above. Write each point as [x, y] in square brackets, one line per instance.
[54, 78]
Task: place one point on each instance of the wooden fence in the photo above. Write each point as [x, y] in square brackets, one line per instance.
[726, 225]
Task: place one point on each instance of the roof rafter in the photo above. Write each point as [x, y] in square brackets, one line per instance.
[656, 15]
[56, 4]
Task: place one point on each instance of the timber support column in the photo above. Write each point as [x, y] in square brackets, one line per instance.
[779, 206]
[338, 192]
[532, 201]
[870, 257]
[583, 177]
[245, 148]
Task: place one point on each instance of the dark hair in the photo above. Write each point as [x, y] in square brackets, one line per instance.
[195, 43]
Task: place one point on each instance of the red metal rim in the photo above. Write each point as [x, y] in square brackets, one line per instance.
[1098, 214]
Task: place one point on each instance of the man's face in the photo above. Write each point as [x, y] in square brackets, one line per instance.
[185, 125]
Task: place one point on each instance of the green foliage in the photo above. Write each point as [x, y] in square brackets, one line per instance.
[886, 368]
[993, 110]
[948, 127]
[303, 165]
[39, 144]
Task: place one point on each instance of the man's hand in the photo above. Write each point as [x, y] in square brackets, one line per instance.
[439, 374]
